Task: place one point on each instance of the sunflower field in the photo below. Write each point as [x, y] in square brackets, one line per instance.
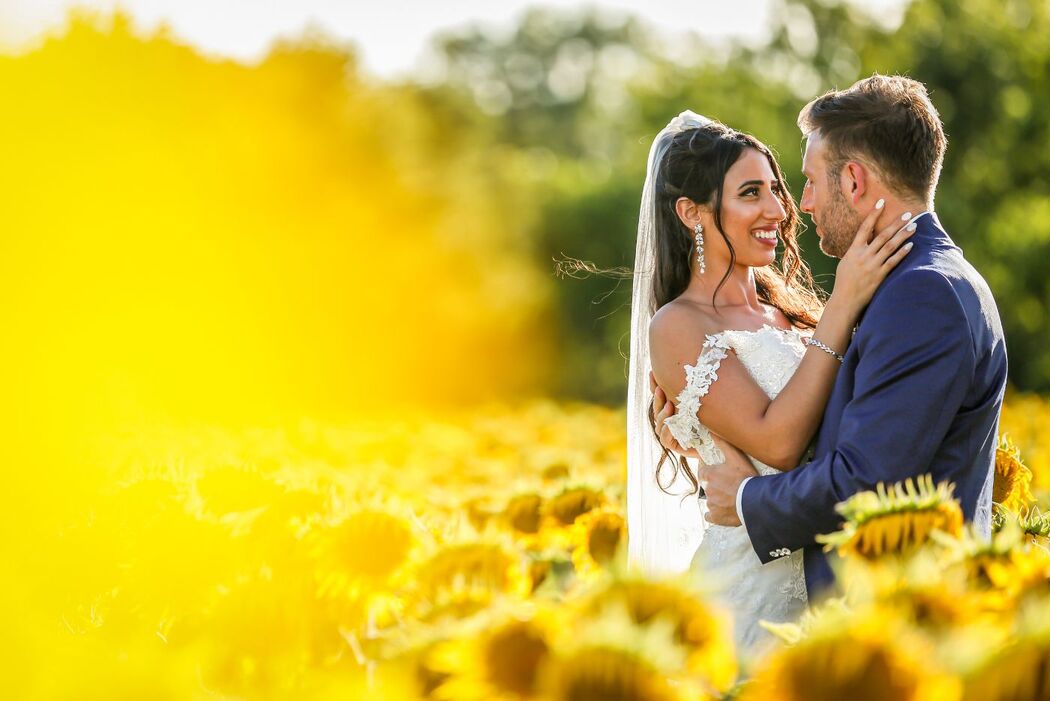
[481, 556]
[282, 344]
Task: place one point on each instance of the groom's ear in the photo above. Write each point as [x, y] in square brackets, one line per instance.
[854, 181]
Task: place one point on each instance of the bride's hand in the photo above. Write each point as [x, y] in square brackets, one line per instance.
[865, 265]
[662, 410]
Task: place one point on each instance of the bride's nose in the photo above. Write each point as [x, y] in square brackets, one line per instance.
[775, 208]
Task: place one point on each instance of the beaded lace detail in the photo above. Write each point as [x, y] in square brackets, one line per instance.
[770, 354]
[684, 424]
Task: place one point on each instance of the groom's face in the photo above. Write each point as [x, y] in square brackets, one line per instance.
[823, 199]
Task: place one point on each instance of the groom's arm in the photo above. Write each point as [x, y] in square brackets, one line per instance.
[916, 360]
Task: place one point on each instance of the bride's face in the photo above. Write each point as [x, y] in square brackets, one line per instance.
[751, 213]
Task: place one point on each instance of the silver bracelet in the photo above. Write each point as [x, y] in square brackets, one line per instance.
[809, 341]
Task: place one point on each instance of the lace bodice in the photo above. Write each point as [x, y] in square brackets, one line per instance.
[770, 354]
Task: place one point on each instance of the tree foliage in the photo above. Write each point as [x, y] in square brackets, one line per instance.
[985, 62]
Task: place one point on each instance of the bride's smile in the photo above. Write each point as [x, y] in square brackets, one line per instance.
[766, 235]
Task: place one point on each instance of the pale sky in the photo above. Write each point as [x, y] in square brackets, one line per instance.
[390, 35]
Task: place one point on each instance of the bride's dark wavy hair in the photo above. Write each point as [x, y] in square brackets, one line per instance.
[695, 166]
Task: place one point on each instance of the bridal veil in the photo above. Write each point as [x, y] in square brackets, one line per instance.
[663, 530]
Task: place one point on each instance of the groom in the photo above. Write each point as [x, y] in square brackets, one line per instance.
[923, 379]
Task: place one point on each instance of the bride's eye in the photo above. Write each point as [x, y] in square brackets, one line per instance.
[749, 191]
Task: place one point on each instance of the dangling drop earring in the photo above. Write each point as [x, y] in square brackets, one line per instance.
[699, 229]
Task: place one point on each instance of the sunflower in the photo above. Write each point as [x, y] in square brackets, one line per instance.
[812, 617]
[699, 631]
[1015, 573]
[607, 672]
[365, 548]
[930, 607]
[572, 503]
[1016, 668]
[1012, 485]
[266, 621]
[598, 535]
[897, 519]
[920, 589]
[500, 661]
[1036, 526]
[555, 471]
[999, 517]
[428, 671]
[552, 571]
[611, 656]
[1001, 570]
[860, 656]
[523, 513]
[462, 579]
[275, 535]
[359, 566]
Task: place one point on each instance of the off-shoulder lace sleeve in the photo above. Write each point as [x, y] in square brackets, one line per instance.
[684, 425]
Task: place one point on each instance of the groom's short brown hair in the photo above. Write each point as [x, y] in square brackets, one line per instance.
[889, 123]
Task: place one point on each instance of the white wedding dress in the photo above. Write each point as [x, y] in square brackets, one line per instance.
[775, 591]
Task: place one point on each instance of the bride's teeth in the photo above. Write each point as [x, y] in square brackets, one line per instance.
[770, 235]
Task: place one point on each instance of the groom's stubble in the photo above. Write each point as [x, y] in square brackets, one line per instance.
[837, 224]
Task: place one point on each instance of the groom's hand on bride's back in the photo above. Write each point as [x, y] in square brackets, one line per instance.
[663, 410]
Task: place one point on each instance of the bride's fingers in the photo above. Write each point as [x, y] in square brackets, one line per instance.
[894, 244]
[660, 406]
[891, 262]
[889, 231]
[665, 412]
[867, 226]
[667, 440]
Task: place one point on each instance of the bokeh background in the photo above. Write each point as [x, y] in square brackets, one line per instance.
[190, 234]
[193, 243]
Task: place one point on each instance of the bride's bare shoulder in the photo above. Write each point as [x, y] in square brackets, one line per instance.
[680, 324]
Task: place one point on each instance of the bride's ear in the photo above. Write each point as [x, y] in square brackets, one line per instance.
[688, 212]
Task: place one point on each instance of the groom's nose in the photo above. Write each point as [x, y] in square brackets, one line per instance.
[806, 203]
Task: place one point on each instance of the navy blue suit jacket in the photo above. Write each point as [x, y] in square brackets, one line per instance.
[920, 391]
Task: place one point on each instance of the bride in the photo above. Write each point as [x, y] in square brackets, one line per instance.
[743, 344]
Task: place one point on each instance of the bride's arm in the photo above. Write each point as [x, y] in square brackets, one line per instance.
[735, 407]
[778, 431]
